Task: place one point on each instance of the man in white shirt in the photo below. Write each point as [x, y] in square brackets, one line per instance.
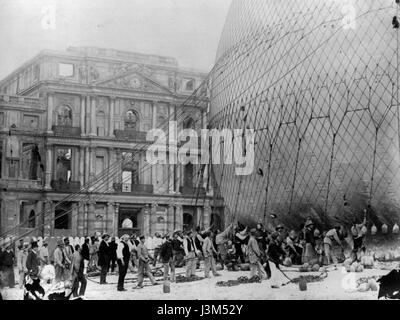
[123, 257]
[44, 255]
[191, 254]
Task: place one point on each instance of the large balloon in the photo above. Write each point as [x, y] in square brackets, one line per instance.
[318, 81]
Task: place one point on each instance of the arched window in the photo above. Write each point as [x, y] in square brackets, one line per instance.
[101, 123]
[131, 120]
[189, 124]
[32, 219]
[190, 85]
[160, 122]
[64, 116]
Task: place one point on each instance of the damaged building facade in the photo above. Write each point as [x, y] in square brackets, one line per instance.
[72, 146]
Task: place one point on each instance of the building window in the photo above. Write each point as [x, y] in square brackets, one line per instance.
[30, 161]
[64, 117]
[62, 216]
[100, 123]
[65, 69]
[13, 168]
[190, 85]
[31, 122]
[161, 122]
[188, 175]
[189, 124]
[63, 164]
[32, 219]
[2, 119]
[130, 174]
[131, 120]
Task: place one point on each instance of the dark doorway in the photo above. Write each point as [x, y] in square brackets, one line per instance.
[62, 216]
[32, 219]
[187, 221]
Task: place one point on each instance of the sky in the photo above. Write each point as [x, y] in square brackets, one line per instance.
[187, 30]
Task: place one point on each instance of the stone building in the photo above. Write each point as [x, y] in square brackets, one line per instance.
[72, 146]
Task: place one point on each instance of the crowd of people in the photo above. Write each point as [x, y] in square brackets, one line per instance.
[262, 250]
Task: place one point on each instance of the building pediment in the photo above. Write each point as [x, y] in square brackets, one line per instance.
[135, 80]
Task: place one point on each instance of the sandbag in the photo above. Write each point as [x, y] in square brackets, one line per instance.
[367, 261]
[374, 230]
[348, 261]
[380, 256]
[373, 285]
[360, 268]
[322, 269]
[395, 229]
[384, 228]
[363, 287]
[287, 262]
[347, 268]
[352, 268]
[245, 267]
[315, 267]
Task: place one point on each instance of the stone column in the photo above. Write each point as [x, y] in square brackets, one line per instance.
[119, 167]
[83, 116]
[93, 132]
[48, 215]
[74, 218]
[87, 118]
[81, 219]
[170, 218]
[82, 165]
[204, 119]
[110, 215]
[115, 219]
[146, 220]
[154, 115]
[50, 111]
[153, 218]
[178, 217]
[48, 170]
[87, 165]
[171, 178]
[110, 171]
[207, 214]
[91, 217]
[92, 163]
[178, 178]
[111, 117]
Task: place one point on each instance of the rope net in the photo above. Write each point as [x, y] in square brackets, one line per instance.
[318, 81]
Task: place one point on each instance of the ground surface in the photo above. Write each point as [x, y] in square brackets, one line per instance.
[337, 285]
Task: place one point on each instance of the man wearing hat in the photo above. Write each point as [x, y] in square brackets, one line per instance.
[255, 256]
[32, 261]
[22, 255]
[167, 258]
[123, 257]
[144, 267]
[104, 258]
[208, 252]
[8, 266]
[60, 261]
[310, 255]
[191, 253]
[275, 254]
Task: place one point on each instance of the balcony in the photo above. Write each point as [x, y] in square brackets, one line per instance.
[66, 131]
[66, 186]
[130, 135]
[13, 183]
[133, 188]
[192, 191]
